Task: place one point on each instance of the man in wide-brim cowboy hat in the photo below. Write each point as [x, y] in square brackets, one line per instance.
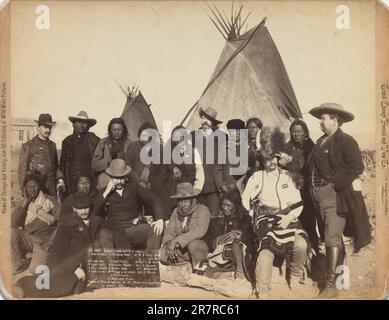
[215, 168]
[210, 114]
[188, 224]
[121, 204]
[77, 150]
[334, 163]
[39, 157]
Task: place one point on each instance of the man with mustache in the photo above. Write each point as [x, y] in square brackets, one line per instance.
[275, 203]
[39, 157]
[334, 164]
[77, 233]
[215, 167]
[121, 204]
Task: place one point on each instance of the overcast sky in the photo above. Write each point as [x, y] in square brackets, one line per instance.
[170, 50]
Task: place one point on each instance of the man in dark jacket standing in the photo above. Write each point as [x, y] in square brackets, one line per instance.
[77, 151]
[39, 157]
[334, 164]
[216, 175]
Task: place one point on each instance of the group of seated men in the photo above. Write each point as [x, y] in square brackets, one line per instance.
[242, 224]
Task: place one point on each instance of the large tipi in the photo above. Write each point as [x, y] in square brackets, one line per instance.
[250, 78]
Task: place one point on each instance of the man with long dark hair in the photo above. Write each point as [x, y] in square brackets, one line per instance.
[114, 146]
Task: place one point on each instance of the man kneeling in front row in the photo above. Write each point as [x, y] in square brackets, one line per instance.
[67, 262]
[33, 225]
[188, 224]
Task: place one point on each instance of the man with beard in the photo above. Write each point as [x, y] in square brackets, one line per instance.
[77, 151]
[275, 203]
[188, 224]
[121, 204]
[214, 159]
[39, 157]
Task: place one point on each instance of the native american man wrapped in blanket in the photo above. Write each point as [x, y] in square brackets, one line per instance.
[230, 239]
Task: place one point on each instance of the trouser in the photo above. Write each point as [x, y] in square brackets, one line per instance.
[196, 251]
[22, 243]
[212, 201]
[51, 185]
[137, 236]
[264, 266]
[324, 198]
[309, 218]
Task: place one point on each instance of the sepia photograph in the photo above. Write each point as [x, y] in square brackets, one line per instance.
[207, 150]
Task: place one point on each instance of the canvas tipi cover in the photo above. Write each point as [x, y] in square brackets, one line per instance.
[135, 113]
[249, 80]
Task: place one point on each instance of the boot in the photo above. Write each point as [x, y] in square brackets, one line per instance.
[333, 255]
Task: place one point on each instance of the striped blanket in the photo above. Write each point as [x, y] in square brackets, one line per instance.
[270, 236]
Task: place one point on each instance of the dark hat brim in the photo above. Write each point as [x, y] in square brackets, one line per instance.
[206, 115]
[317, 112]
[49, 124]
[91, 122]
[195, 193]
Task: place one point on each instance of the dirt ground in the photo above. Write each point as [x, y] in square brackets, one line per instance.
[362, 268]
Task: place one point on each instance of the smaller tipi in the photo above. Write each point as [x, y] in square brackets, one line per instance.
[136, 111]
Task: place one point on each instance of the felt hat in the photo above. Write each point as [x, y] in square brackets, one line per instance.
[45, 119]
[209, 113]
[83, 117]
[118, 168]
[328, 108]
[185, 190]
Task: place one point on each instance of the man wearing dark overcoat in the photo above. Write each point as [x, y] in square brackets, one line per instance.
[216, 173]
[334, 164]
[77, 233]
[39, 158]
[77, 151]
